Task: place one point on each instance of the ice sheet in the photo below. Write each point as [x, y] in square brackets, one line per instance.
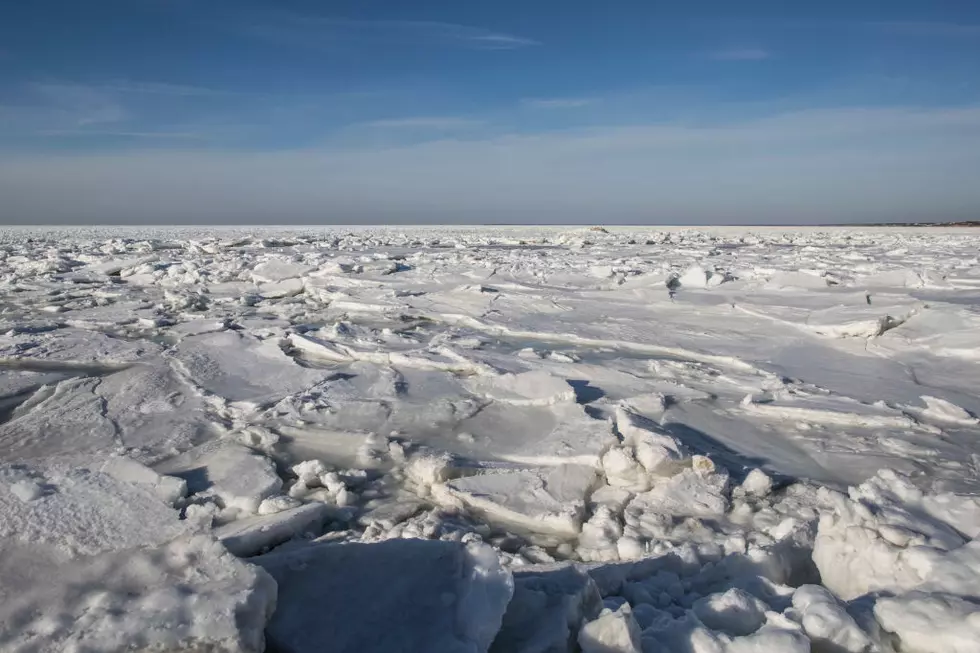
[673, 439]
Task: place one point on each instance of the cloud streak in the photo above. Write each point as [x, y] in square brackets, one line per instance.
[319, 32]
[426, 122]
[740, 54]
[558, 103]
[81, 104]
[160, 88]
[94, 133]
[925, 28]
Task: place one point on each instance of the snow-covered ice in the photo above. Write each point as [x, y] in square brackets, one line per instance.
[490, 439]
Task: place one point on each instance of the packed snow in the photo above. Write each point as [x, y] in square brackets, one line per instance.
[514, 440]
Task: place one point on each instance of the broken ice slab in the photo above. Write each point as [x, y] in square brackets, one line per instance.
[548, 500]
[234, 474]
[252, 535]
[187, 596]
[243, 368]
[397, 595]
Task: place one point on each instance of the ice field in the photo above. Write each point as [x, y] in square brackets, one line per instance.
[513, 439]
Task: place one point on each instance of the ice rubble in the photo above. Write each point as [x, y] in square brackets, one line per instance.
[504, 440]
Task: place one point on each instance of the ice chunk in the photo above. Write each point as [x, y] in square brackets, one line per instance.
[613, 632]
[756, 484]
[113, 267]
[600, 535]
[547, 610]
[826, 622]
[252, 535]
[735, 612]
[187, 596]
[281, 289]
[170, 489]
[535, 388]
[409, 595]
[199, 326]
[549, 500]
[239, 477]
[946, 411]
[658, 452]
[796, 280]
[278, 269]
[891, 536]
[26, 490]
[768, 639]
[243, 368]
[694, 277]
[623, 470]
[931, 623]
[309, 472]
[74, 348]
[272, 505]
[689, 493]
[560, 434]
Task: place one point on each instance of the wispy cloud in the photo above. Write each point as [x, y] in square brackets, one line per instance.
[160, 88]
[427, 122]
[497, 41]
[925, 28]
[740, 54]
[97, 133]
[311, 31]
[558, 103]
[84, 105]
[114, 109]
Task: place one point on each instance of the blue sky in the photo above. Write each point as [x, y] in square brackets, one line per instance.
[375, 111]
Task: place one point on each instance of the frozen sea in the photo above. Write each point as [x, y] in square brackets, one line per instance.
[506, 439]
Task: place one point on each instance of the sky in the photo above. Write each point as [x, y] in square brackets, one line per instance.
[514, 111]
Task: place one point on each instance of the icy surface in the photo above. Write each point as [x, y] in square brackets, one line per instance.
[508, 439]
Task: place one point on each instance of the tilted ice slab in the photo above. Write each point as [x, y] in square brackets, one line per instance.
[441, 359]
[398, 595]
[231, 472]
[548, 607]
[828, 410]
[258, 533]
[277, 269]
[143, 408]
[531, 435]
[241, 368]
[836, 316]
[534, 388]
[64, 419]
[547, 500]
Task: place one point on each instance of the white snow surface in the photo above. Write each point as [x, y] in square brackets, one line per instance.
[517, 440]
